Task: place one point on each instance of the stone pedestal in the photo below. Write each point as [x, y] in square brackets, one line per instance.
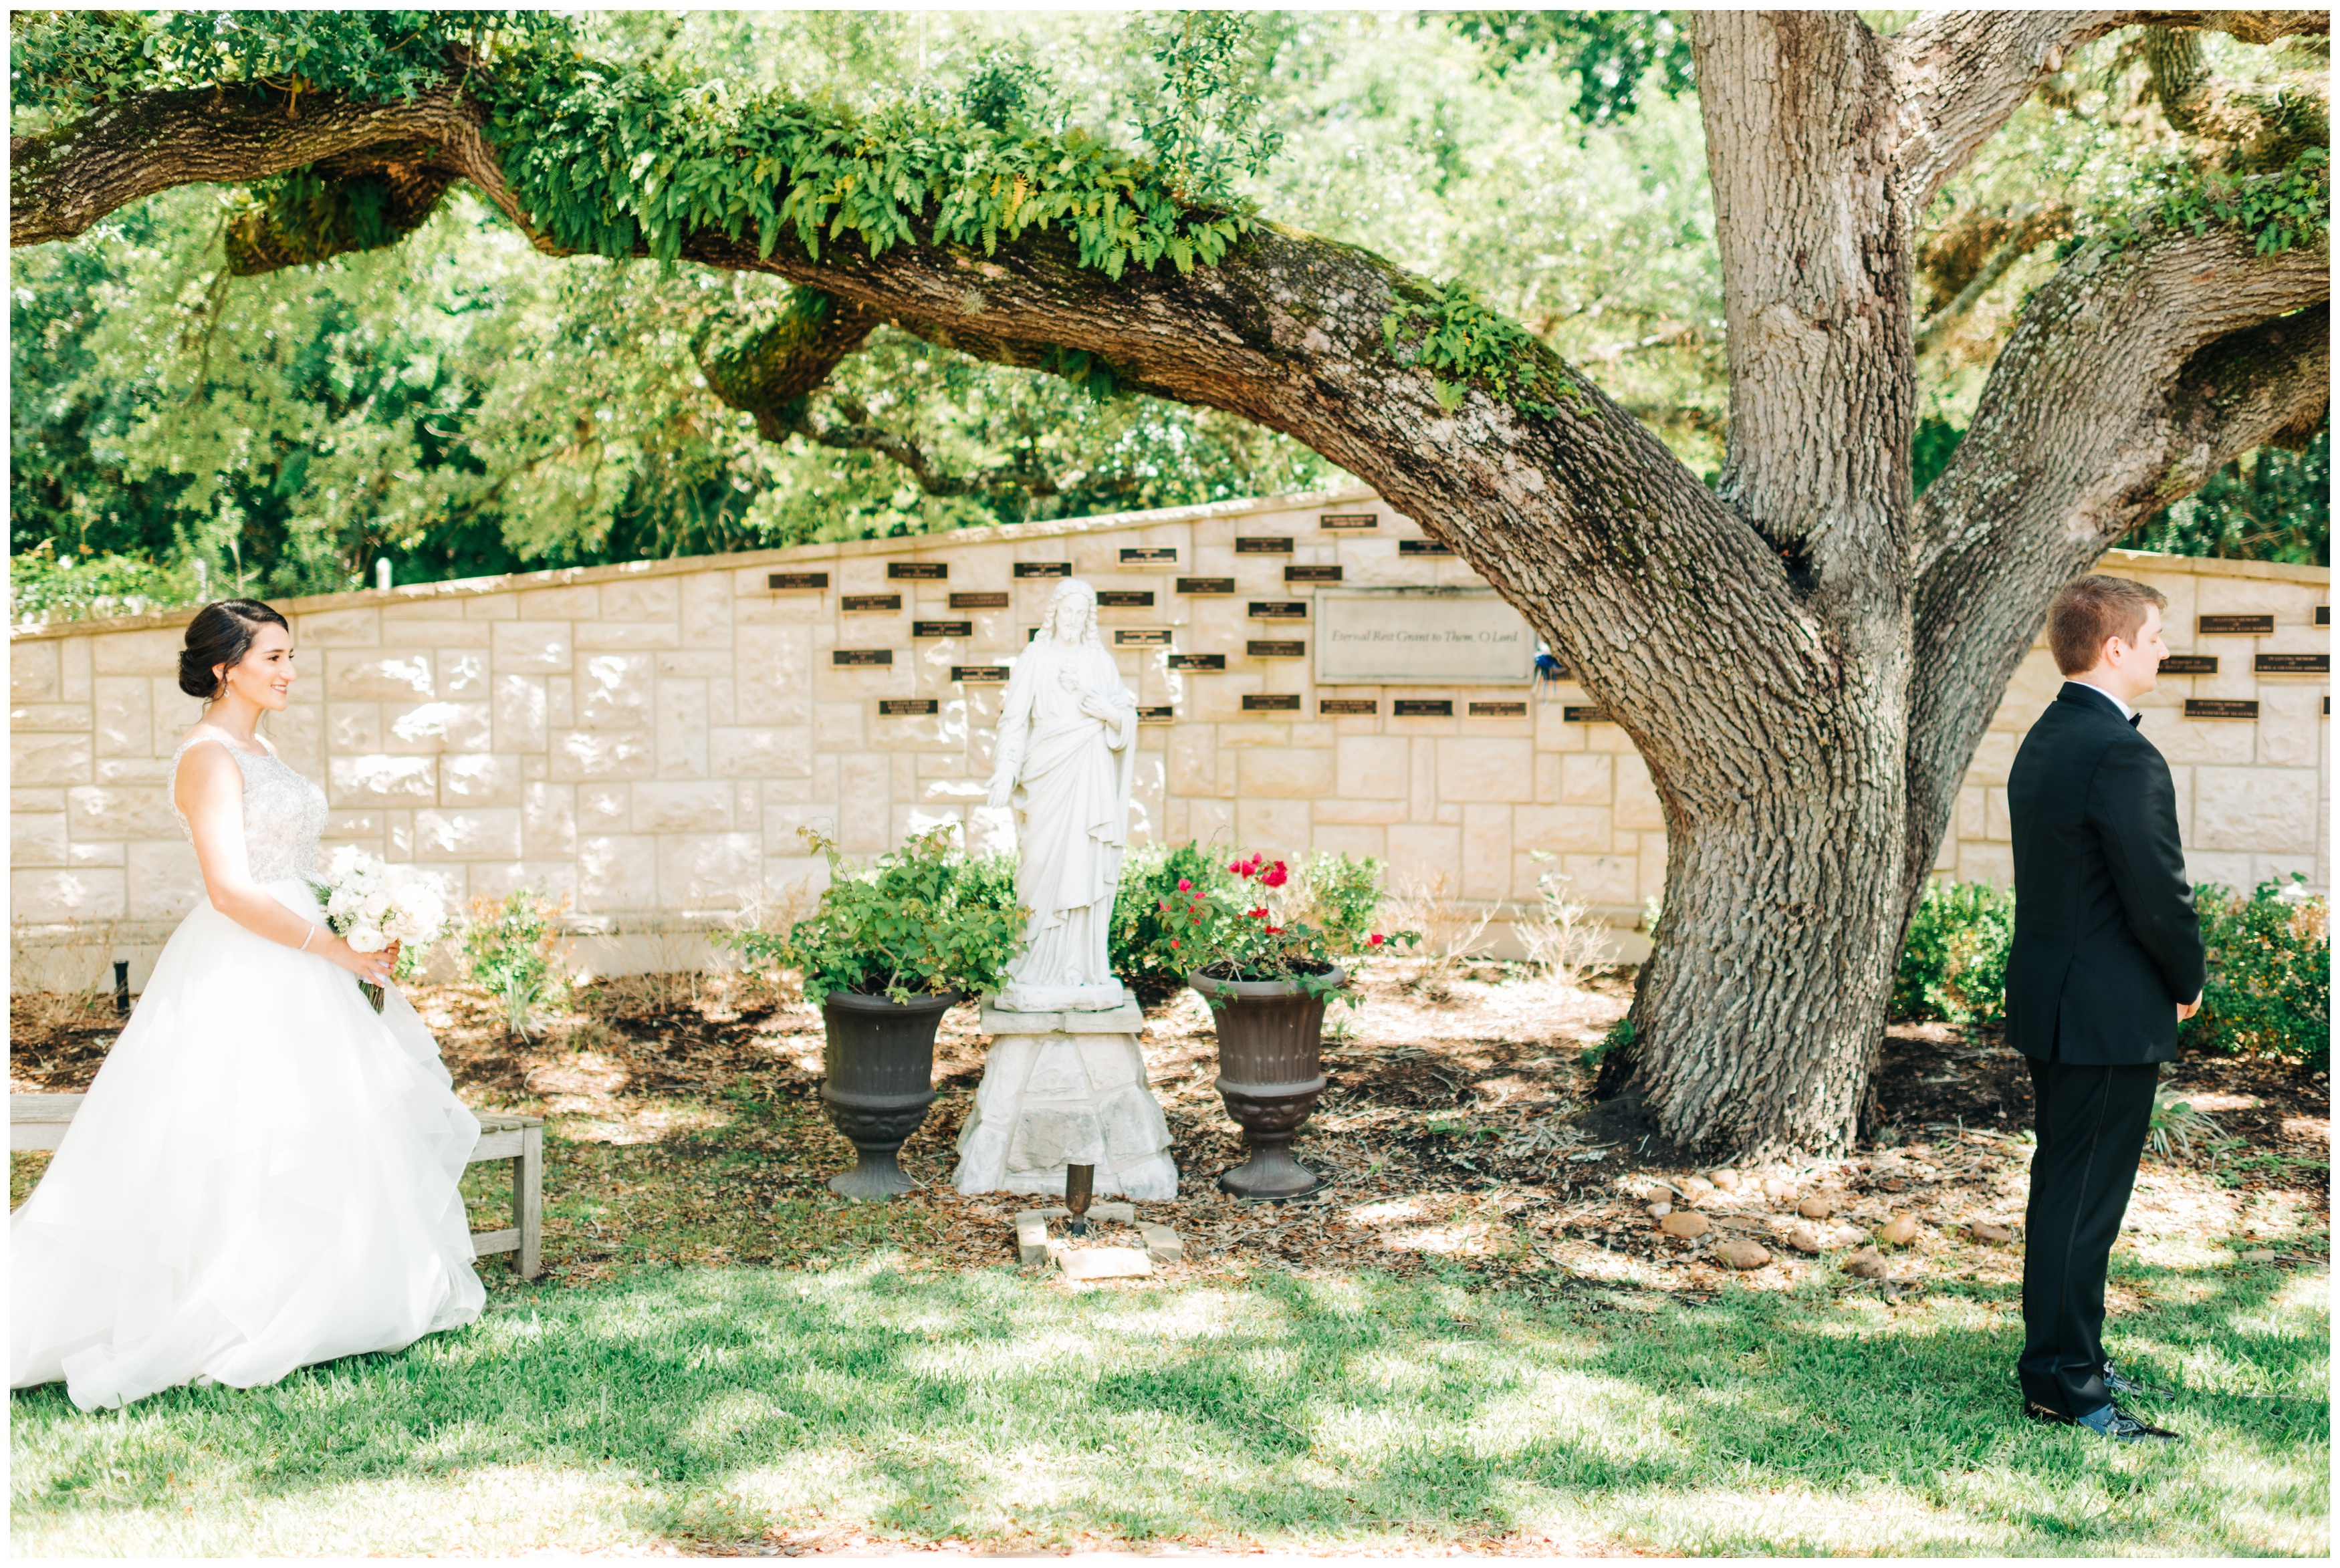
[1066, 1087]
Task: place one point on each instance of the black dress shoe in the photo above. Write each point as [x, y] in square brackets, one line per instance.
[2121, 1385]
[2111, 1422]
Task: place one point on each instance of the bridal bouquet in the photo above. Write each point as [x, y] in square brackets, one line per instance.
[370, 906]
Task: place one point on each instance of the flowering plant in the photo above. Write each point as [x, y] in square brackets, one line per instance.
[373, 907]
[1266, 926]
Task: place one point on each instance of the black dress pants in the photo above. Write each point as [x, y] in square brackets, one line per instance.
[2092, 1124]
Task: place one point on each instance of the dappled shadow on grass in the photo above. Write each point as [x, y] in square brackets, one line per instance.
[717, 1407]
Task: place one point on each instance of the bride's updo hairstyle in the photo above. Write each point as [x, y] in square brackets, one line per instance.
[220, 634]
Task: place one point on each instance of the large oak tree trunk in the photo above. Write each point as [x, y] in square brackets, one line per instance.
[1805, 658]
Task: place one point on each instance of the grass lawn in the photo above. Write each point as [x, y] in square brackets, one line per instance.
[854, 1403]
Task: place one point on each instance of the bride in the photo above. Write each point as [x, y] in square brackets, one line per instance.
[263, 1174]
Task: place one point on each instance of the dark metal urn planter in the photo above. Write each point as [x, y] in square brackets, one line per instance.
[879, 1056]
[1270, 1036]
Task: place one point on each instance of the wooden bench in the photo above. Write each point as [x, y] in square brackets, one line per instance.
[39, 1121]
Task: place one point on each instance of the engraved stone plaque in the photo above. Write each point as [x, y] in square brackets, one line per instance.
[2323, 615]
[1158, 715]
[918, 571]
[1141, 636]
[1499, 710]
[872, 601]
[1150, 556]
[1279, 609]
[787, 582]
[1348, 707]
[1421, 638]
[1198, 661]
[1424, 708]
[1272, 702]
[980, 675]
[942, 628]
[1422, 548]
[860, 658]
[1207, 585]
[978, 601]
[907, 707]
[2292, 664]
[2222, 707]
[1357, 521]
[1266, 649]
[2190, 664]
[1044, 569]
[1261, 547]
[1307, 574]
[1584, 714]
[2234, 625]
[1125, 599]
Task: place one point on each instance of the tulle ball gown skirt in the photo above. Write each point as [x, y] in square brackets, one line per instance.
[263, 1176]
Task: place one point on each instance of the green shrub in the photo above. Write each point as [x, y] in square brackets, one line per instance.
[2270, 987]
[513, 950]
[1140, 945]
[1341, 896]
[1954, 966]
[923, 921]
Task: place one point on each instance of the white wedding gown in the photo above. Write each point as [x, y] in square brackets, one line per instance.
[263, 1174]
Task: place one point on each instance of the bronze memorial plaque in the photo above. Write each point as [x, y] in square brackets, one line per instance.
[942, 628]
[1265, 648]
[918, 571]
[1261, 547]
[978, 601]
[2292, 664]
[1141, 636]
[1044, 569]
[1305, 574]
[1198, 661]
[907, 707]
[785, 582]
[2222, 707]
[1125, 599]
[1347, 708]
[872, 601]
[2234, 625]
[1349, 521]
[2190, 664]
[1423, 707]
[1422, 548]
[860, 658]
[1272, 702]
[1421, 638]
[1279, 609]
[1207, 585]
[1150, 556]
[1584, 714]
[1499, 710]
[1157, 714]
[980, 675]
[2323, 615]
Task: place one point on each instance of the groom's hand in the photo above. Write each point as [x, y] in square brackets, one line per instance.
[2187, 1010]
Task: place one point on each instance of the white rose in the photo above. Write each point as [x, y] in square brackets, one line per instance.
[366, 938]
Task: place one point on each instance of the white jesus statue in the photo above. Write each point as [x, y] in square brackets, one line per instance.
[1067, 741]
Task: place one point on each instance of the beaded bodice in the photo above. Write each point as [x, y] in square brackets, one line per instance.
[283, 813]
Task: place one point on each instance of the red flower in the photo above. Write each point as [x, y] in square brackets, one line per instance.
[1375, 940]
[1276, 875]
[1275, 930]
[1174, 941]
[1259, 913]
[1184, 885]
[1161, 903]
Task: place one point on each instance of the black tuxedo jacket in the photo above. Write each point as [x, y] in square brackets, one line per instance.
[2106, 942]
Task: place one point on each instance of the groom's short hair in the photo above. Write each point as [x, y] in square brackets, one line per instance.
[2091, 608]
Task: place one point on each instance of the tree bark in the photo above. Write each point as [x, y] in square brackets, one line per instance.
[1804, 660]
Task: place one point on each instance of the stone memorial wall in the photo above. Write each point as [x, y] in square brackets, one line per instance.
[1311, 671]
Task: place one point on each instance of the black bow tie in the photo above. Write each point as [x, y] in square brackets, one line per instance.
[2134, 720]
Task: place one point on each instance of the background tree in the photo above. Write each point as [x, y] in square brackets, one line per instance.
[1805, 653]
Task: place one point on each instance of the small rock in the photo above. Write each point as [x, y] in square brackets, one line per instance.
[1804, 1239]
[1683, 1222]
[1742, 1254]
[2256, 1255]
[1815, 1207]
[1984, 1231]
[1777, 1189]
[1726, 1179]
[1898, 1232]
[1842, 1236]
[1654, 1192]
[1696, 1186]
[1660, 1210]
[1865, 1264]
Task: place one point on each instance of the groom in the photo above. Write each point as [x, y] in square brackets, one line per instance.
[2106, 962]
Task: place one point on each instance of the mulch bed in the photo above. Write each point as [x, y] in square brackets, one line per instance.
[1458, 1138]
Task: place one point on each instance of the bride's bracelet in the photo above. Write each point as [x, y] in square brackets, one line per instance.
[305, 940]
